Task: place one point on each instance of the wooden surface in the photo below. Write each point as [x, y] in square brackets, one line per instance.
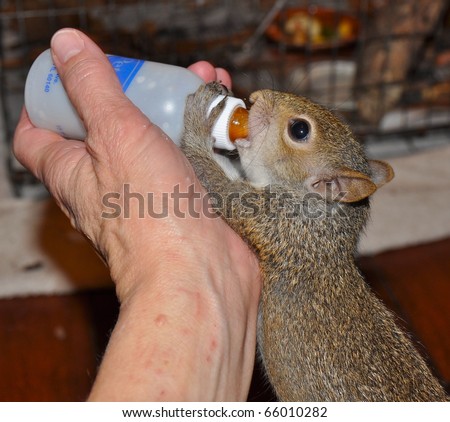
[50, 347]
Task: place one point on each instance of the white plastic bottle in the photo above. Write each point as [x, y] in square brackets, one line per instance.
[158, 90]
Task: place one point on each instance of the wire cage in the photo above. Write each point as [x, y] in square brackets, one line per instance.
[384, 66]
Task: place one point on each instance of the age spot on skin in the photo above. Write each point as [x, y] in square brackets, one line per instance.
[160, 320]
[213, 345]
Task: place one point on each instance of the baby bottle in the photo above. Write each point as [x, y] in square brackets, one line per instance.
[158, 90]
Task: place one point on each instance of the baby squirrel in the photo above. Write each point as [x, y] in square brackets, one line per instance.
[322, 333]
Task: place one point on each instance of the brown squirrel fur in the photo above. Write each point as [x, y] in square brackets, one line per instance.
[322, 334]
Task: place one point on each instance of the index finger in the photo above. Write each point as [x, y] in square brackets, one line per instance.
[37, 148]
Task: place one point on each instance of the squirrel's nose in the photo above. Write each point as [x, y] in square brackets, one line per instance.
[254, 96]
[262, 93]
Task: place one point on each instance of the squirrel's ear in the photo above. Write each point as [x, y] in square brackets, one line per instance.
[347, 185]
[344, 185]
[381, 172]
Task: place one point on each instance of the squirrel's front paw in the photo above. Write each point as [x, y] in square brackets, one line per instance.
[199, 120]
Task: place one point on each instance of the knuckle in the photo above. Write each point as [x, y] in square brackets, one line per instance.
[93, 89]
[82, 75]
[114, 134]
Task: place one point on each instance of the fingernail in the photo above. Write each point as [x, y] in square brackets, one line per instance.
[66, 43]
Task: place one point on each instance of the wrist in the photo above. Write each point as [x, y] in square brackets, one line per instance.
[182, 335]
[188, 317]
[159, 346]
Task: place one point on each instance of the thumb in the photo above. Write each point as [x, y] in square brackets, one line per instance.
[91, 83]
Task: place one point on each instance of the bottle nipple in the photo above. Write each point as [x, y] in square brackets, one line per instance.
[238, 126]
[232, 123]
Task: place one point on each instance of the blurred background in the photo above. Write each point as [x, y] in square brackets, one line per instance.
[383, 66]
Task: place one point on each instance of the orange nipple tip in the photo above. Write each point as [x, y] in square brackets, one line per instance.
[238, 128]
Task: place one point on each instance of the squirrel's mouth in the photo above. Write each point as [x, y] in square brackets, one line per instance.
[245, 141]
[259, 115]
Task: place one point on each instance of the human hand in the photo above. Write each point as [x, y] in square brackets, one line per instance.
[188, 287]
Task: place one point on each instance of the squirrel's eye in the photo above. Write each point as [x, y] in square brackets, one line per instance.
[299, 130]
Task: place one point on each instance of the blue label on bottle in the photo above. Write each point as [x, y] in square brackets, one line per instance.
[126, 69]
[52, 79]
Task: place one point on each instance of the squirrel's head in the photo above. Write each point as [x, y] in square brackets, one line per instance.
[292, 140]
